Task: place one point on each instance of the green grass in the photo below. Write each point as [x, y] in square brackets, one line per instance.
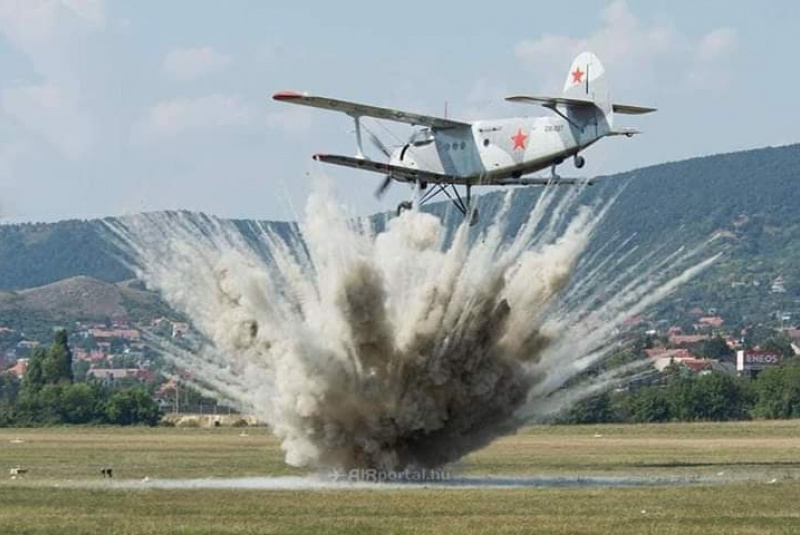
[747, 454]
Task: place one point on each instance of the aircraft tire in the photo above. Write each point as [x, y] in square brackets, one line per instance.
[403, 206]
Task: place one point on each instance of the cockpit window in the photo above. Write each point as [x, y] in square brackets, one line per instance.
[422, 136]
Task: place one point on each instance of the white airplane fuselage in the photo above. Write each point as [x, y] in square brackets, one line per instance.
[493, 150]
[446, 153]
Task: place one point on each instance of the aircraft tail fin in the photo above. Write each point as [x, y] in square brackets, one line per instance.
[586, 99]
[586, 80]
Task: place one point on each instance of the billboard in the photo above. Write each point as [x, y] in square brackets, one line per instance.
[756, 360]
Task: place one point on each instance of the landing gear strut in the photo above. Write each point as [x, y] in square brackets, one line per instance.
[462, 203]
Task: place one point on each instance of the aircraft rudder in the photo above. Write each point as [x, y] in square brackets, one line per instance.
[586, 80]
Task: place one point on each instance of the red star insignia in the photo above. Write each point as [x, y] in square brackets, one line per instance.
[577, 76]
[519, 140]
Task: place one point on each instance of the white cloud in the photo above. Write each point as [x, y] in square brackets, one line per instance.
[31, 24]
[191, 63]
[50, 111]
[622, 42]
[637, 52]
[173, 117]
[717, 44]
[710, 69]
[92, 11]
[51, 34]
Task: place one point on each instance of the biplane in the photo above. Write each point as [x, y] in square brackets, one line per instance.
[443, 154]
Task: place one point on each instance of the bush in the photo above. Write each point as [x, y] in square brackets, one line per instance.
[132, 406]
[81, 403]
[594, 410]
[777, 391]
[649, 404]
[712, 397]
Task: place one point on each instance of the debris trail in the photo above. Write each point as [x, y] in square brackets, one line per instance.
[403, 348]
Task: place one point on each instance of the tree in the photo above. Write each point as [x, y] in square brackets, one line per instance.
[594, 410]
[49, 367]
[9, 388]
[132, 406]
[716, 348]
[777, 391]
[81, 403]
[45, 406]
[780, 344]
[710, 397]
[33, 380]
[9, 391]
[61, 358]
[649, 404]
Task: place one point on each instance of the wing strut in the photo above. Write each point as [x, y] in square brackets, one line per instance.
[359, 147]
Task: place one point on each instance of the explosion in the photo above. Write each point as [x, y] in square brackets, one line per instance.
[404, 348]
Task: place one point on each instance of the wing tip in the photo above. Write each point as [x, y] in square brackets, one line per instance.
[287, 95]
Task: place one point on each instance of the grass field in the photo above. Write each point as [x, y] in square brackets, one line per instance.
[750, 476]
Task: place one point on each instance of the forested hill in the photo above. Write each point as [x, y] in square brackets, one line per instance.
[35, 254]
[753, 197]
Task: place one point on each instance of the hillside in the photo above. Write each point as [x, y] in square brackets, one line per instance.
[76, 299]
[35, 254]
[751, 198]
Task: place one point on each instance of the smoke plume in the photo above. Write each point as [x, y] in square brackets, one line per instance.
[404, 348]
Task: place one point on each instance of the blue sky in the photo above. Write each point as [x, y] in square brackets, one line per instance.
[112, 107]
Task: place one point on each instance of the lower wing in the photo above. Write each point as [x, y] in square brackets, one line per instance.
[405, 174]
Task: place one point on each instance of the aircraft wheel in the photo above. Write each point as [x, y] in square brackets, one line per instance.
[580, 161]
[403, 206]
[475, 218]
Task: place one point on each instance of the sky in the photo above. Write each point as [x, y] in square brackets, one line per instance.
[110, 107]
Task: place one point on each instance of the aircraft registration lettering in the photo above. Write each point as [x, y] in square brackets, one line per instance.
[554, 128]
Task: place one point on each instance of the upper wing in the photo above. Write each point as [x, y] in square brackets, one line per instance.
[402, 173]
[551, 102]
[359, 110]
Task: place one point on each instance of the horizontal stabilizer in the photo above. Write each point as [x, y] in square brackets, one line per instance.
[630, 132]
[552, 102]
[627, 109]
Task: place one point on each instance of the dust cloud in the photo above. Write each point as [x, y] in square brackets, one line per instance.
[403, 348]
